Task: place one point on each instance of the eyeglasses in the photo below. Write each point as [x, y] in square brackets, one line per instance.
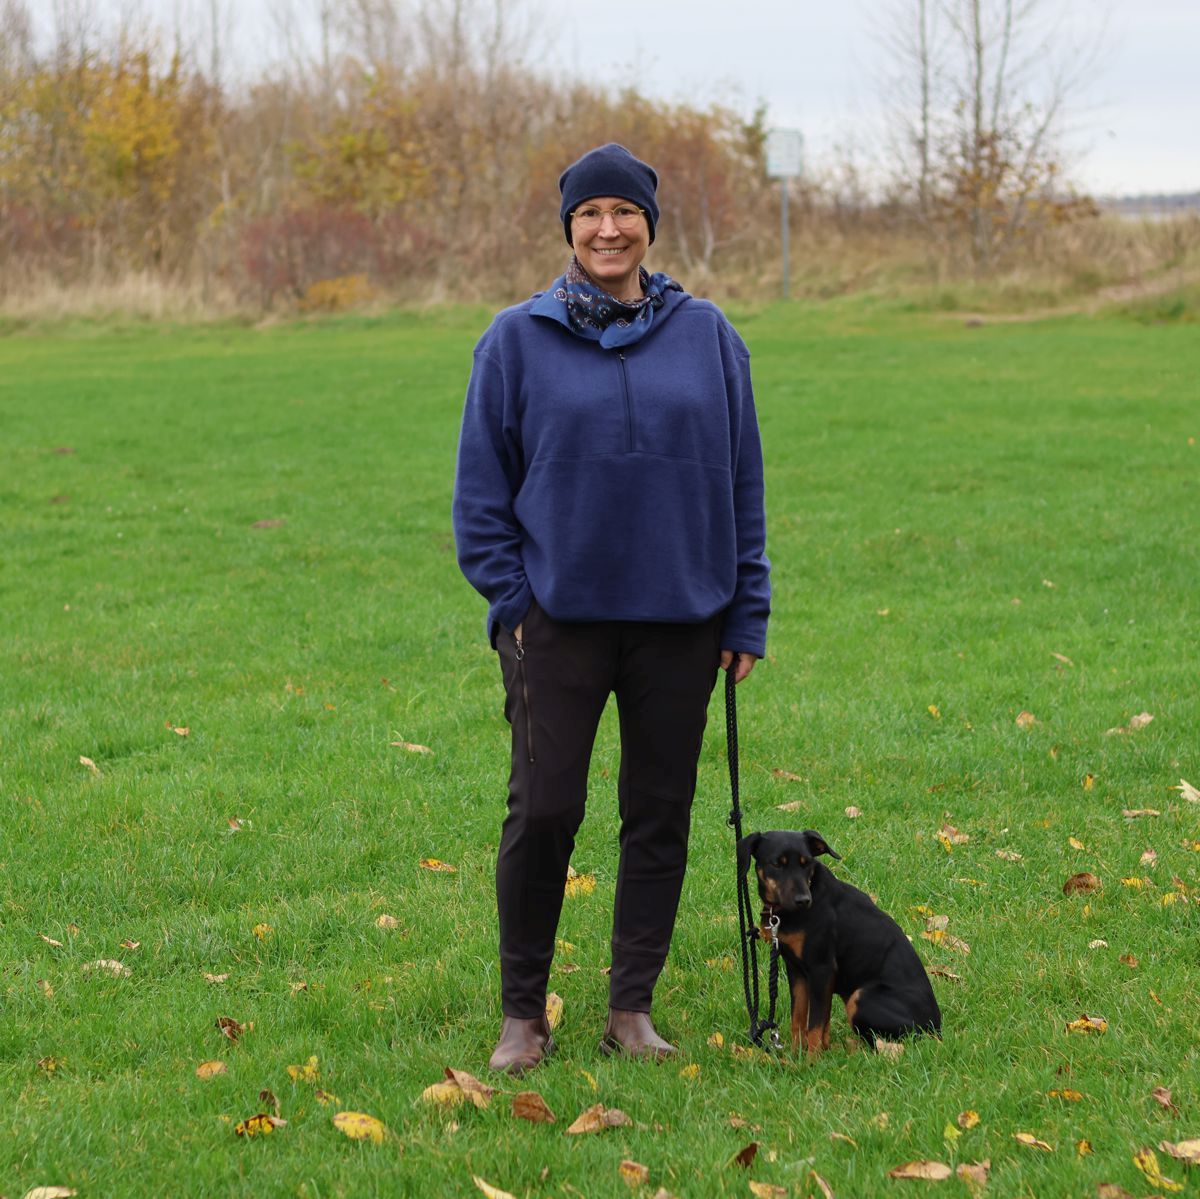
[625, 217]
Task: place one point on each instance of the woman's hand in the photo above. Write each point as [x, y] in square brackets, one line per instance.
[744, 663]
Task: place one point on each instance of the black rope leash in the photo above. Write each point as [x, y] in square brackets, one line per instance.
[748, 928]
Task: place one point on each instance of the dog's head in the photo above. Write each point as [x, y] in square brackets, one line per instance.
[784, 862]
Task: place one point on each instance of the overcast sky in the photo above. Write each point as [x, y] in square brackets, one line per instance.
[822, 68]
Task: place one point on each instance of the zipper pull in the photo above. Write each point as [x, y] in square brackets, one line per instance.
[520, 648]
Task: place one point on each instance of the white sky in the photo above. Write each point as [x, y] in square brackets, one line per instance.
[821, 67]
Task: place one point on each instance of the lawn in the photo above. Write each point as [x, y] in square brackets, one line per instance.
[228, 582]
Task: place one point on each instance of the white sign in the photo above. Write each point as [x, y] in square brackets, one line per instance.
[785, 153]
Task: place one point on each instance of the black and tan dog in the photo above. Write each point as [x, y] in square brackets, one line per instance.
[833, 939]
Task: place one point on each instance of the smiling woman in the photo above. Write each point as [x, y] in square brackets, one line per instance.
[609, 506]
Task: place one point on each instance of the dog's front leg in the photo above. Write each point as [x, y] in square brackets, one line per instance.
[799, 988]
[820, 1003]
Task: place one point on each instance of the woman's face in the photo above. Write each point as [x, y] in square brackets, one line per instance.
[611, 255]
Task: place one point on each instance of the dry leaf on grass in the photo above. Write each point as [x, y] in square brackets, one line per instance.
[49, 1193]
[1146, 1160]
[945, 972]
[131, 945]
[968, 1119]
[1075, 843]
[690, 1071]
[325, 1098]
[1089, 782]
[232, 1028]
[260, 1125]
[490, 1191]
[975, 1174]
[953, 835]
[634, 1174]
[745, 1156]
[852, 813]
[1162, 1096]
[934, 711]
[554, 1009]
[211, 1069]
[436, 864]
[529, 1105]
[412, 747]
[934, 924]
[841, 1136]
[479, 1093]
[306, 1073]
[107, 966]
[793, 806]
[387, 922]
[1026, 720]
[578, 884]
[930, 1171]
[948, 940]
[1182, 1151]
[1067, 1096]
[786, 775]
[262, 931]
[768, 1190]
[1138, 813]
[443, 1094]
[1062, 658]
[51, 941]
[717, 1041]
[213, 978]
[1087, 1023]
[1187, 791]
[92, 767]
[49, 1064]
[1009, 855]
[1030, 1141]
[889, 1049]
[358, 1126]
[1110, 1190]
[1083, 1148]
[597, 1118]
[46, 989]
[824, 1187]
[1082, 884]
[1135, 722]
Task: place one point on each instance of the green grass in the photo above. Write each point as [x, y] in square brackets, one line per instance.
[949, 509]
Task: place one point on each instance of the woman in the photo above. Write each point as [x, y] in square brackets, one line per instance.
[609, 505]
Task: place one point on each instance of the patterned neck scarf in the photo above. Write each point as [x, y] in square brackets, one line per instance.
[591, 310]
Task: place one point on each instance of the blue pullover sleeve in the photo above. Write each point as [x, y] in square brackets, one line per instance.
[488, 477]
[745, 626]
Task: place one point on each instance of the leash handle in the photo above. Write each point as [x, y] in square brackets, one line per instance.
[731, 747]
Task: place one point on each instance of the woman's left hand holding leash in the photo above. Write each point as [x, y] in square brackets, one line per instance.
[742, 664]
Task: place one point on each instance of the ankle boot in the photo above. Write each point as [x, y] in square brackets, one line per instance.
[632, 1033]
[523, 1044]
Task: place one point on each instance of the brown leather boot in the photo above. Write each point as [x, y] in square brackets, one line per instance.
[523, 1044]
[632, 1033]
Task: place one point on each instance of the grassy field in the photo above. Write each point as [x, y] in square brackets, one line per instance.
[245, 534]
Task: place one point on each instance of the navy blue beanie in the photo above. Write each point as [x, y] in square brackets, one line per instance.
[608, 171]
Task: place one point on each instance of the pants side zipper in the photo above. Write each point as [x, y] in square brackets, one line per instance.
[525, 697]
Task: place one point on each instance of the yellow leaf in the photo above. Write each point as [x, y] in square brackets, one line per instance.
[579, 884]
[591, 1082]
[1075, 843]
[930, 1171]
[767, 1190]
[724, 963]
[306, 1073]
[968, 1119]
[950, 1133]
[597, 1118]
[1087, 1023]
[1089, 782]
[1068, 1096]
[841, 1136]
[529, 1105]
[1136, 884]
[1183, 1151]
[443, 1094]
[490, 1191]
[358, 1126]
[717, 1041]
[1026, 720]
[386, 921]
[1146, 1160]
[49, 1193]
[260, 1125]
[51, 941]
[690, 1071]
[633, 1174]
[554, 1009]
[1083, 1148]
[211, 1069]
[1028, 1139]
[940, 937]
[263, 931]
[479, 1093]
[934, 711]
[953, 835]
[214, 978]
[852, 813]
[437, 865]
[324, 1098]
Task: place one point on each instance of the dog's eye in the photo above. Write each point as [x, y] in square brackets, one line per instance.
[802, 862]
[782, 861]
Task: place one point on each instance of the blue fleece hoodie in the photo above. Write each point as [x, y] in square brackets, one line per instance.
[614, 482]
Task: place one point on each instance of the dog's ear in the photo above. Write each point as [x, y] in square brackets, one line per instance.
[746, 847]
[819, 845]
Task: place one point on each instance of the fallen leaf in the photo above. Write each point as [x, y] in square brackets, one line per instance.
[1149, 858]
[1068, 1096]
[578, 884]
[1083, 1149]
[953, 835]
[1098, 943]
[529, 1105]
[767, 1190]
[231, 1028]
[1137, 813]
[935, 924]
[1087, 1023]
[1009, 855]
[554, 1009]
[1162, 1096]
[443, 1094]
[1183, 1151]
[490, 1191]
[1089, 782]
[213, 978]
[358, 1126]
[1109, 1190]
[1136, 884]
[268, 1099]
[945, 972]
[1062, 658]
[743, 1157]
[269, 523]
[46, 988]
[717, 1041]
[597, 1118]
[412, 747]
[50, 1192]
[968, 1119]
[930, 1171]
[1082, 884]
[211, 1069]
[787, 776]
[95, 770]
[1135, 722]
[107, 966]
[262, 931]
[51, 941]
[1146, 1160]
[940, 937]
[841, 1136]
[1075, 843]
[259, 1125]
[131, 945]
[880, 1121]
[852, 813]
[975, 1174]
[1047, 583]
[1026, 720]
[934, 711]
[1030, 1141]
[633, 1174]
[386, 921]
[690, 1071]
[1187, 791]
[306, 1073]
[950, 1133]
[324, 1098]
[435, 864]
[793, 806]
[479, 1093]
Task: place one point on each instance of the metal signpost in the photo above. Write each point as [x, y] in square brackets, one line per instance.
[785, 155]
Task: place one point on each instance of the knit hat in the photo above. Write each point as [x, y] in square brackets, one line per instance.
[608, 171]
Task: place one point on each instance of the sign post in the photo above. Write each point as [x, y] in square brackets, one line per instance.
[785, 157]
